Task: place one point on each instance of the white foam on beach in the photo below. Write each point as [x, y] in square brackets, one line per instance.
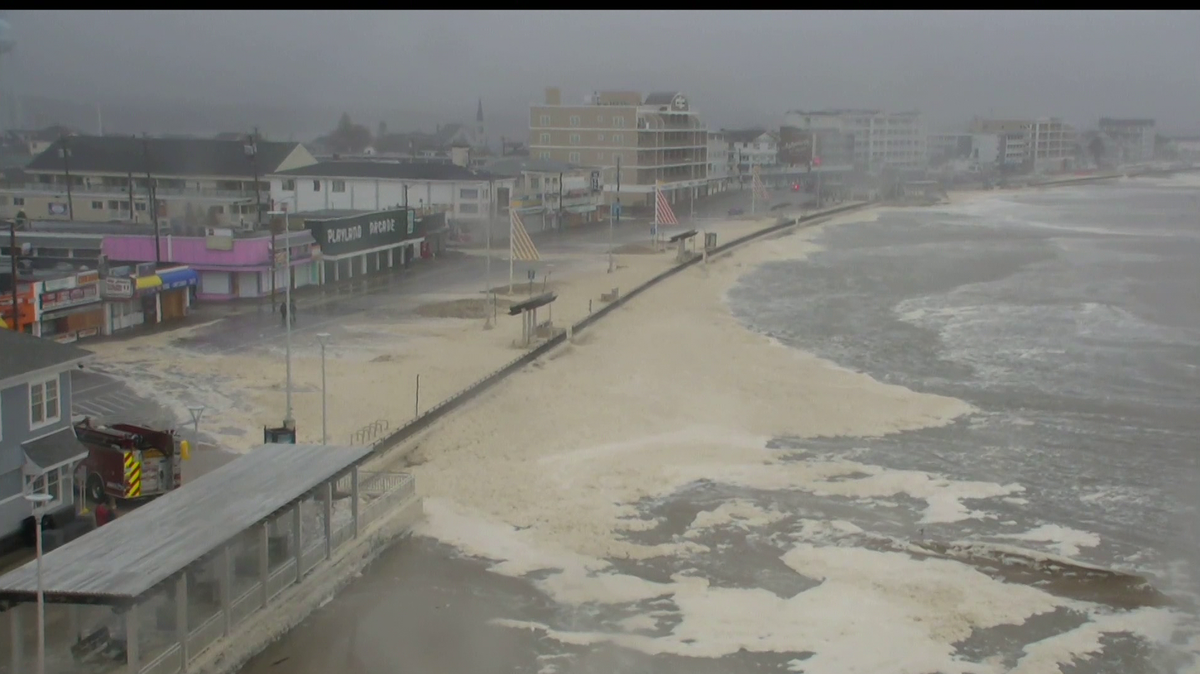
[1063, 540]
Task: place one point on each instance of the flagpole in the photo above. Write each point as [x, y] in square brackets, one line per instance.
[753, 192]
[491, 221]
[511, 249]
[657, 196]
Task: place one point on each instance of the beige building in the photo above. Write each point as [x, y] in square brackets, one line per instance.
[1043, 145]
[658, 138]
[197, 181]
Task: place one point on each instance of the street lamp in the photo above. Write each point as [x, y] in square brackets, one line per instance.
[196, 411]
[39, 501]
[323, 337]
[288, 421]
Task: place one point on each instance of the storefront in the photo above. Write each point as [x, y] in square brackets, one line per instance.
[144, 296]
[69, 307]
[368, 243]
[225, 265]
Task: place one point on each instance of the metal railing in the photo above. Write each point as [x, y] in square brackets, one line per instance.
[370, 433]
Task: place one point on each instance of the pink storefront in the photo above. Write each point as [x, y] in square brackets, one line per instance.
[229, 267]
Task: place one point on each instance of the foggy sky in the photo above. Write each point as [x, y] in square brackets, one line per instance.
[738, 68]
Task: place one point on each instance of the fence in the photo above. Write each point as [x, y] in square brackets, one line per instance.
[457, 400]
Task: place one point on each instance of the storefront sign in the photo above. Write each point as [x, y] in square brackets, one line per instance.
[85, 277]
[70, 298]
[118, 288]
[55, 284]
[362, 232]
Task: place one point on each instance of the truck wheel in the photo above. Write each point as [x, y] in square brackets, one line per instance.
[95, 488]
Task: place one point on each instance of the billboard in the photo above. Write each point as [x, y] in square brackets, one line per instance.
[795, 146]
[358, 233]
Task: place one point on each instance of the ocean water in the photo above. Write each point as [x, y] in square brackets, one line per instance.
[1054, 530]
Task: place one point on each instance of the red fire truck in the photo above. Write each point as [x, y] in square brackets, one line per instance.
[130, 462]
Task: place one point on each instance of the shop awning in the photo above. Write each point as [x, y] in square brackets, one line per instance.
[51, 451]
[148, 282]
[178, 278]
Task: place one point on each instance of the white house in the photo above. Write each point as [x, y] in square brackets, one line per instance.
[751, 147]
[464, 194]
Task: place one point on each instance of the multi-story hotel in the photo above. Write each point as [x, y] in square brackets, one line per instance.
[1046, 144]
[876, 139]
[655, 139]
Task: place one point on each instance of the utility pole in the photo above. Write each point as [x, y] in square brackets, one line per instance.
[65, 152]
[487, 290]
[253, 151]
[560, 202]
[12, 257]
[150, 199]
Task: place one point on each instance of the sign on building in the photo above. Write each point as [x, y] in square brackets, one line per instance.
[358, 233]
[795, 146]
[117, 288]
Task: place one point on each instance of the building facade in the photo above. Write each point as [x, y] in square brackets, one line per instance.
[750, 148]
[1134, 138]
[464, 195]
[1043, 145]
[546, 192]
[197, 181]
[655, 140]
[879, 139]
[144, 294]
[718, 162]
[38, 448]
[353, 245]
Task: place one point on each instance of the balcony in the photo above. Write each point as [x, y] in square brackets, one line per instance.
[123, 191]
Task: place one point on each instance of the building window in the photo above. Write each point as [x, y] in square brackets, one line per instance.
[316, 185]
[468, 208]
[465, 193]
[599, 156]
[574, 120]
[599, 119]
[600, 137]
[545, 139]
[339, 186]
[544, 155]
[619, 122]
[573, 157]
[18, 201]
[545, 120]
[534, 183]
[289, 185]
[43, 403]
[574, 139]
[140, 205]
[619, 138]
[97, 205]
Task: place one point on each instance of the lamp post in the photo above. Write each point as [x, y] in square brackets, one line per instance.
[196, 411]
[288, 421]
[323, 337]
[39, 501]
[64, 152]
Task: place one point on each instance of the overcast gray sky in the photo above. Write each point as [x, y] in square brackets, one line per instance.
[737, 66]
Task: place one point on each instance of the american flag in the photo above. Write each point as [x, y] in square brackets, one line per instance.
[663, 214]
[520, 246]
[756, 184]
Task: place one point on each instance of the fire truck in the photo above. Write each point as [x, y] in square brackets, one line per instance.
[130, 462]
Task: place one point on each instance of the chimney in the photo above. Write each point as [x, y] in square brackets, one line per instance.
[553, 96]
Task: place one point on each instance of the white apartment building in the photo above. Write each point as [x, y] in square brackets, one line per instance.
[1043, 145]
[894, 140]
[751, 147]
[658, 139]
[1134, 137]
[463, 194]
[718, 161]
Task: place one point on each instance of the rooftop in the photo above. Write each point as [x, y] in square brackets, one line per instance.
[385, 170]
[22, 354]
[162, 156]
[153, 543]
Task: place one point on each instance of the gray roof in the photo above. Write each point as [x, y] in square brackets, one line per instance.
[514, 166]
[54, 449]
[148, 545]
[22, 354]
[162, 156]
[661, 97]
[385, 170]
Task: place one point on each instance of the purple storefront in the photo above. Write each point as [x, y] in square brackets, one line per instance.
[230, 267]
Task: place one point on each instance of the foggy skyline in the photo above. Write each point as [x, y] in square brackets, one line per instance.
[739, 68]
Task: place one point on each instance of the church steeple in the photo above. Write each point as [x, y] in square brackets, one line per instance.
[480, 132]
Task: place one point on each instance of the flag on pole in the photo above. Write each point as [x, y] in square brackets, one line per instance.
[519, 244]
[756, 184]
[663, 215]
